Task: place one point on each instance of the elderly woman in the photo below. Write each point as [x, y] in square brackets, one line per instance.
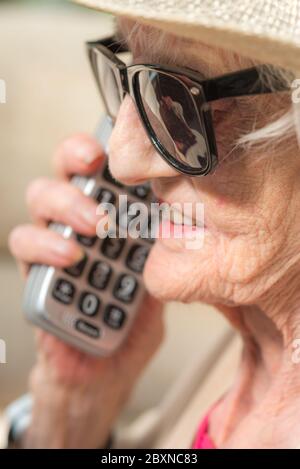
[242, 141]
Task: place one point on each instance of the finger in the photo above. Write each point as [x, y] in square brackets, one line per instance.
[79, 154]
[60, 201]
[35, 245]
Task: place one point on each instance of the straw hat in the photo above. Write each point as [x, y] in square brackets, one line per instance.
[267, 30]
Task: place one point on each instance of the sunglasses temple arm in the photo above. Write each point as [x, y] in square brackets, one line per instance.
[242, 83]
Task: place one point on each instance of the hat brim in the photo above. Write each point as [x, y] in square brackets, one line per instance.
[265, 44]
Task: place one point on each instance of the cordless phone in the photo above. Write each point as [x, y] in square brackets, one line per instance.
[93, 304]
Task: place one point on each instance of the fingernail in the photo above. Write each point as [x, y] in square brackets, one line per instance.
[85, 154]
[89, 216]
[80, 254]
[88, 159]
[64, 249]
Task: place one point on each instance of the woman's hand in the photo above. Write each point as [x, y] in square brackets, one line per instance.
[77, 397]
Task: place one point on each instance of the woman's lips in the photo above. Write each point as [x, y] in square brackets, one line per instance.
[177, 217]
[178, 230]
[180, 237]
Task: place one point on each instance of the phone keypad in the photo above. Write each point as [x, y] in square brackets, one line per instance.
[104, 285]
[104, 195]
[125, 288]
[141, 191]
[87, 328]
[86, 241]
[137, 257]
[114, 316]
[100, 274]
[112, 247]
[77, 269]
[89, 304]
[63, 291]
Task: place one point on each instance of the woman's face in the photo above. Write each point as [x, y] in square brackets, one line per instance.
[250, 201]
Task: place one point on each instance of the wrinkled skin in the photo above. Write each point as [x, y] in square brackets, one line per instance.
[249, 217]
[248, 267]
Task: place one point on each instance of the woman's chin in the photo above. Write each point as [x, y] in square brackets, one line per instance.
[161, 274]
[158, 272]
[172, 274]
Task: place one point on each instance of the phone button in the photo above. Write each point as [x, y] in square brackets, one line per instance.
[105, 196]
[99, 275]
[114, 316]
[125, 288]
[87, 328]
[63, 291]
[86, 241]
[141, 191]
[137, 257]
[77, 269]
[112, 247]
[89, 304]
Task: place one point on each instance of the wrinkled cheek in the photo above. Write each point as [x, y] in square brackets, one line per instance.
[243, 259]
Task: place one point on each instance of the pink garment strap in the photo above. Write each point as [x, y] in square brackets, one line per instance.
[202, 439]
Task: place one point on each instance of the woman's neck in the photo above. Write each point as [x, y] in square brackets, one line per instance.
[262, 409]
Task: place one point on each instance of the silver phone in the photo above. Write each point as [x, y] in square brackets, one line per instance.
[93, 304]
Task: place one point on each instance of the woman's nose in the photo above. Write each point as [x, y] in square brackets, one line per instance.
[132, 157]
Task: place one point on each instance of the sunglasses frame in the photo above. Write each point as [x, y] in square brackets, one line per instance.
[202, 92]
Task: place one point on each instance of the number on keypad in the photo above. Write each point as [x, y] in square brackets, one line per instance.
[112, 247]
[63, 291]
[99, 275]
[89, 304]
[125, 288]
[137, 257]
[114, 316]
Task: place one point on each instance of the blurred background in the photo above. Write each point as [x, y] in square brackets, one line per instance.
[50, 94]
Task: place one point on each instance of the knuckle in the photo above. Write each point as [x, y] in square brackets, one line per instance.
[35, 190]
[76, 198]
[71, 198]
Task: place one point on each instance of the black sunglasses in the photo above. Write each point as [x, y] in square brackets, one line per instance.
[172, 102]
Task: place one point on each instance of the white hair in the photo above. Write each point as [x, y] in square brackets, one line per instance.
[288, 124]
[282, 128]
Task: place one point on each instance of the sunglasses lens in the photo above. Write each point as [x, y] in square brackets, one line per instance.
[109, 85]
[172, 114]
